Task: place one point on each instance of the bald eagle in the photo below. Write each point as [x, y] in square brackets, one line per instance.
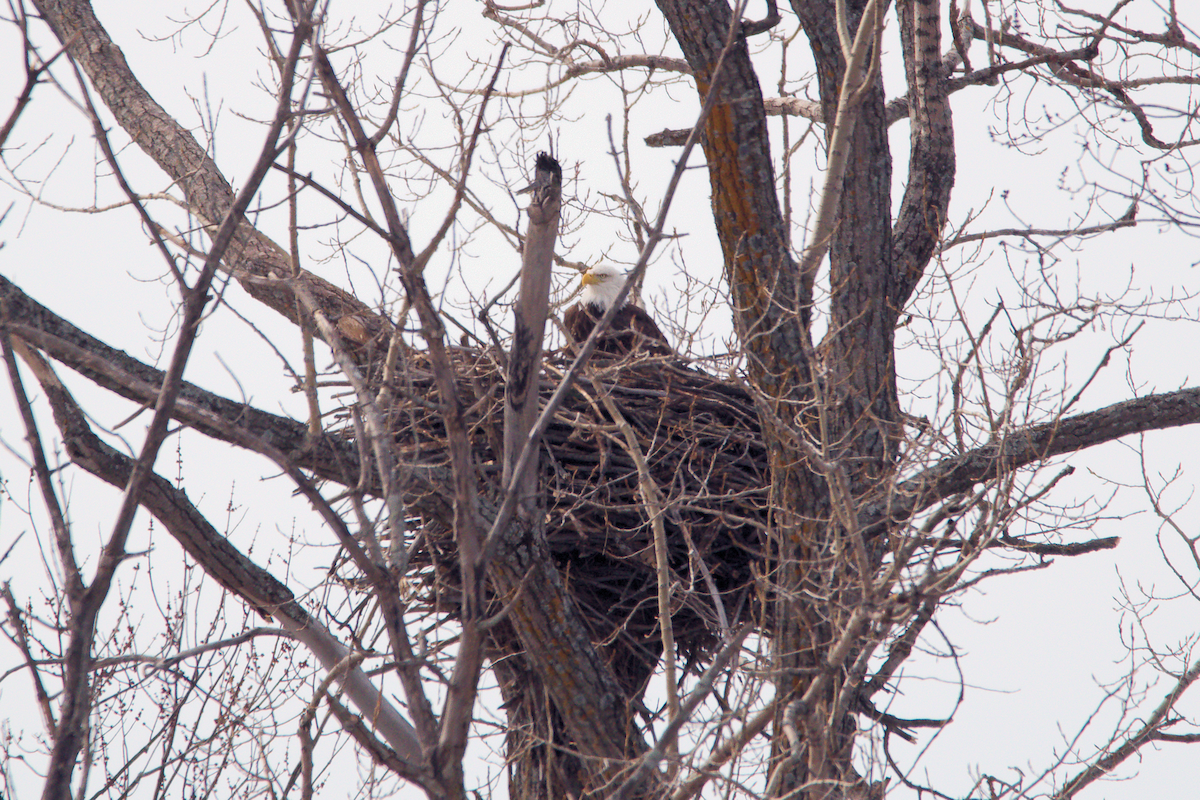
[632, 329]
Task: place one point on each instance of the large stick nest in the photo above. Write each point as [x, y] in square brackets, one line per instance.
[701, 441]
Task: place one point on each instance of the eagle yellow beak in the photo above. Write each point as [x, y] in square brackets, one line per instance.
[588, 278]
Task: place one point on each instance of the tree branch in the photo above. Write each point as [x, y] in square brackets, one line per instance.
[1029, 445]
[185, 161]
[225, 563]
[1149, 731]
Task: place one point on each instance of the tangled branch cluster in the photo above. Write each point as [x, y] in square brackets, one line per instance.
[699, 437]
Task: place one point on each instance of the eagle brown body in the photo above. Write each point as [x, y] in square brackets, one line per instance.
[631, 330]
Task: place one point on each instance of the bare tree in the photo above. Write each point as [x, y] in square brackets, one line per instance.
[630, 576]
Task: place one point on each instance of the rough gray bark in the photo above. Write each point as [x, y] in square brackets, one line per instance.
[856, 432]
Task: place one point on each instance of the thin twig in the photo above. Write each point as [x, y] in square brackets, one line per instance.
[653, 500]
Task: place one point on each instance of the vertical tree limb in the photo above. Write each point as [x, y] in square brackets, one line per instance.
[529, 331]
[861, 70]
[771, 307]
[932, 165]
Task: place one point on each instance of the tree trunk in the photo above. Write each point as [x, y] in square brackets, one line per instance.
[852, 412]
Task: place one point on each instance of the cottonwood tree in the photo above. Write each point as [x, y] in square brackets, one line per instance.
[643, 577]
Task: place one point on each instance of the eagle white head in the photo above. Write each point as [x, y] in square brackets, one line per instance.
[632, 329]
[601, 284]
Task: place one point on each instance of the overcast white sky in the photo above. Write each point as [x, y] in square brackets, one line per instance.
[1036, 650]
